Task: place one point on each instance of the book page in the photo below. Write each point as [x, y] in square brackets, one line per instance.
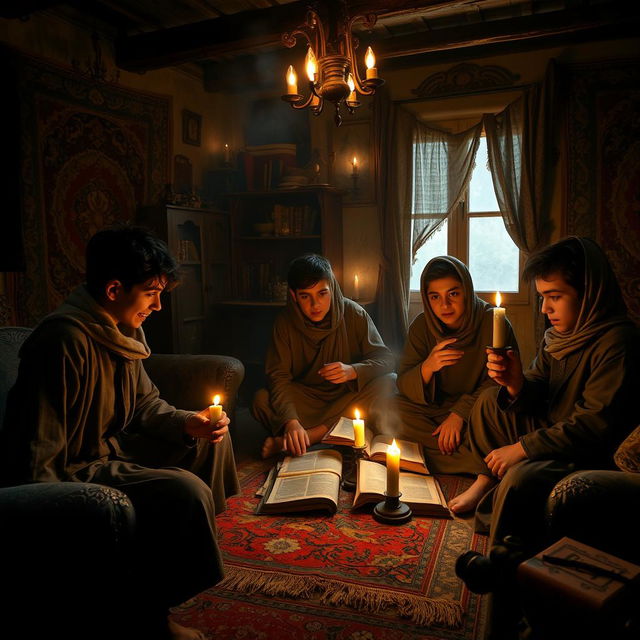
[311, 462]
[415, 488]
[410, 451]
[315, 485]
[372, 477]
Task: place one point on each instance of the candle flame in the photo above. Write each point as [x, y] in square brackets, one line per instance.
[292, 78]
[216, 399]
[357, 414]
[351, 83]
[393, 448]
[498, 299]
[355, 278]
[355, 162]
[369, 58]
[311, 65]
[226, 146]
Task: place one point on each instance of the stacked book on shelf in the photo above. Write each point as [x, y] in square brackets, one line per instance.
[255, 280]
[294, 220]
[265, 165]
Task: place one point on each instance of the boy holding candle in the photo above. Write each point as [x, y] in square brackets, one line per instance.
[325, 358]
[571, 408]
[442, 368]
[84, 410]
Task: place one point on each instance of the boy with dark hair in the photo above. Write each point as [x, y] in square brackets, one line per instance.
[83, 410]
[326, 358]
[573, 406]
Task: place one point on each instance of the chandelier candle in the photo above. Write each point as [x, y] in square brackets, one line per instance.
[499, 324]
[215, 410]
[370, 62]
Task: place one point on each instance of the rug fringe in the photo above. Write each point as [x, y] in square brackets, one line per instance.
[419, 609]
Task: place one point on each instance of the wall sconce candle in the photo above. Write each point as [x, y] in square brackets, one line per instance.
[354, 167]
[356, 287]
[227, 154]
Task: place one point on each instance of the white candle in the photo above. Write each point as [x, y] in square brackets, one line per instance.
[292, 81]
[227, 153]
[370, 61]
[215, 410]
[499, 324]
[356, 287]
[354, 166]
[393, 469]
[358, 431]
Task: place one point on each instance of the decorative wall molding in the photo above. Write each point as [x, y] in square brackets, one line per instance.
[465, 78]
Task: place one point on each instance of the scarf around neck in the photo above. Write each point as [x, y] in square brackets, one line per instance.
[602, 305]
[474, 307]
[83, 310]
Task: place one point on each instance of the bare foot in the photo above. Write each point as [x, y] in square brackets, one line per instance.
[468, 500]
[178, 632]
[272, 446]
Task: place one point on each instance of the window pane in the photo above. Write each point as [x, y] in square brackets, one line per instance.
[493, 258]
[436, 245]
[482, 196]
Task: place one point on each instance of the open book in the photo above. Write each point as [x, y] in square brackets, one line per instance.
[422, 493]
[411, 455]
[305, 483]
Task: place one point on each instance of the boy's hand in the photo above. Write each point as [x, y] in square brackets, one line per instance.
[506, 370]
[440, 357]
[502, 459]
[199, 426]
[449, 433]
[338, 372]
[296, 439]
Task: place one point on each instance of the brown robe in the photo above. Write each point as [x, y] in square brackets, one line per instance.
[300, 348]
[422, 407]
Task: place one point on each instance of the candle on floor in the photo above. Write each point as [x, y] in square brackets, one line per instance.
[393, 469]
[358, 431]
[215, 410]
[499, 324]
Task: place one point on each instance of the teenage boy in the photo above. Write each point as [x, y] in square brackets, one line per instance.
[570, 410]
[326, 358]
[82, 396]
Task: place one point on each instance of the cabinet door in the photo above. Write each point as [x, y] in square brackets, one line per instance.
[188, 298]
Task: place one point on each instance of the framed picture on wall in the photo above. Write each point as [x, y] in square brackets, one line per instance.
[191, 127]
[353, 162]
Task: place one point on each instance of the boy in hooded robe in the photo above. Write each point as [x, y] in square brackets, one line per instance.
[84, 410]
[573, 406]
[442, 369]
[326, 358]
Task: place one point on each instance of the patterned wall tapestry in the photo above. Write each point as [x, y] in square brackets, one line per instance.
[604, 165]
[91, 154]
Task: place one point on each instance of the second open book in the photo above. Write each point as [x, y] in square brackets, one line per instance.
[411, 456]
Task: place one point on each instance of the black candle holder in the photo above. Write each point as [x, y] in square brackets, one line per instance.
[350, 479]
[392, 511]
[501, 351]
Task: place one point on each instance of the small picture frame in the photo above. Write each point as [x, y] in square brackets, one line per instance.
[191, 127]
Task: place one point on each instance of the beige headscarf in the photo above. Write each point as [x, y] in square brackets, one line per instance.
[474, 307]
[602, 304]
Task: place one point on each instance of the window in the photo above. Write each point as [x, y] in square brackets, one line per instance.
[476, 234]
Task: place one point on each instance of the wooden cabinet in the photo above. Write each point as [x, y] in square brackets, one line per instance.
[298, 221]
[199, 239]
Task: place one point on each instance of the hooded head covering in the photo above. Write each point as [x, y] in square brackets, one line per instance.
[316, 332]
[474, 307]
[601, 308]
[82, 309]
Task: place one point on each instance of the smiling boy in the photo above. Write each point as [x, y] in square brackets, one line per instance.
[82, 398]
[571, 408]
[326, 358]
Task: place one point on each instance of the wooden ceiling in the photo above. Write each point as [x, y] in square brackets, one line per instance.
[151, 34]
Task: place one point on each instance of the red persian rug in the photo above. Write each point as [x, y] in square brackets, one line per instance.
[342, 577]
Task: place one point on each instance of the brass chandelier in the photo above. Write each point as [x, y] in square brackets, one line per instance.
[330, 63]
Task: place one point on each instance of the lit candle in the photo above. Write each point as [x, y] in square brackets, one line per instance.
[292, 81]
[310, 65]
[499, 324]
[352, 89]
[354, 166]
[370, 61]
[393, 469]
[356, 287]
[358, 431]
[227, 153]
[215, 410]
